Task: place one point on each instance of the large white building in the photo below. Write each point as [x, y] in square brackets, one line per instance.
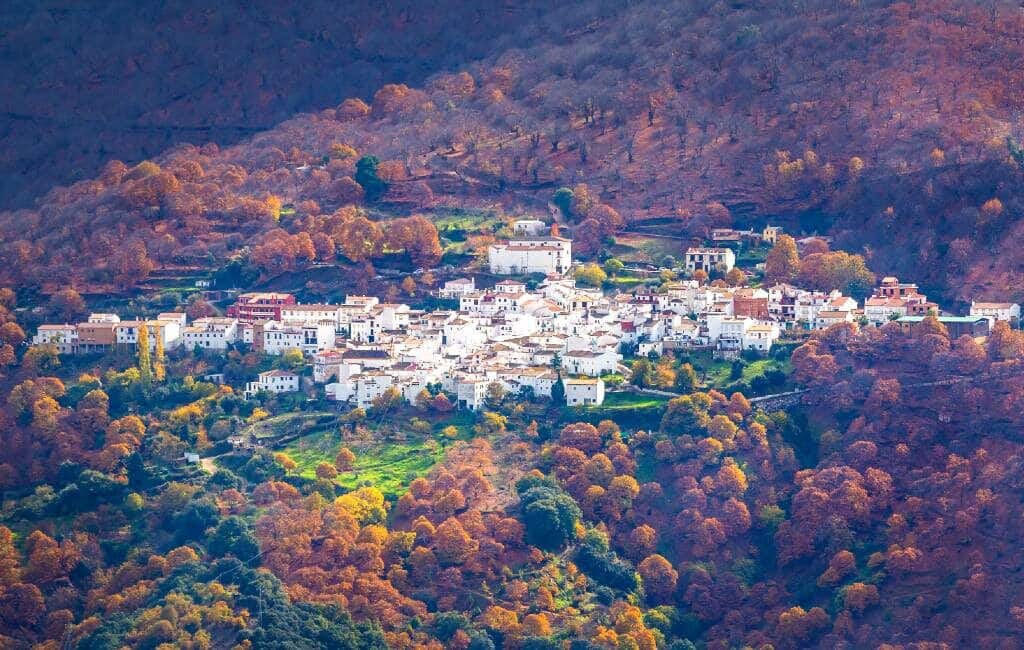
[63, 337]
[210, 333]
[309, 337]
[584, 391]
[879, 310]
[274, 381]
[457, 287]
[760, 336]
[710, 259]
[310, 313]
[470, 392]
[590, 363]
[531, 227]
[548, 255]
[993, 311]
[167, 326]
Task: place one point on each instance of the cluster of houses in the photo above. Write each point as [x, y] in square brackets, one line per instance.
[106, 332]
[523, 338]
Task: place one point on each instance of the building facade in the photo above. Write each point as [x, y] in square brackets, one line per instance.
[584, 392]
[547, 255]
[710, 259]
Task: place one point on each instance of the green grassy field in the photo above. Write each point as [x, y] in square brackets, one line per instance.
[628, 410]
[629, 401]
[387, 466]
[717, 373]
[642, 248]
[468, 220]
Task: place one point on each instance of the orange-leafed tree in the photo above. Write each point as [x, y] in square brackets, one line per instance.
[659, 577]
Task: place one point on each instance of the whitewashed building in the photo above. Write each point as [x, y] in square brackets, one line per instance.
[826, 319]
[589, 362]
[760, 336]
[308, 338]
[584, 391]
[63, 337]
[548, 255]
[210, 333]
[310, 313]
[710, 259]
[879, 310]
[470, 392]
[1006, 311]
[453, 289]
[529, 227]
[274, 381]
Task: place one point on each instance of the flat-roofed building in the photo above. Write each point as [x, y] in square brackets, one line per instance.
[584, 391]
[547, 255]
[710, 259]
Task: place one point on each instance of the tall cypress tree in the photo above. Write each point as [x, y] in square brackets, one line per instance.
[159, 367]
[558, 392]
[145, 364]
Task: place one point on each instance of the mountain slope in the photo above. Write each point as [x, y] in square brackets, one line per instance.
[819, 117]
[83, 84]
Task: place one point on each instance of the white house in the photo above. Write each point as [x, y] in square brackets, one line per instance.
[457, 287]
[471, 392]
[310, 313]
[371, 385]
[210, 333]
[178, 317]
[513, 325]
[713, 324]
[710, 259]
[880, 309]
[584, 392]
[529, 227]
[307, 337]
[760, 336]
[63, 337]
[732, 332]
[548, 255]
[390, 316]
[104, 318]
[809, 304]
[825, 319]
[278, 338]
[510, 286]
[1007, 311]
[362, 328]
[538, 379]
[590, 363]
[127, 332]
[646, 348]
[274, 381]
[365, 303]
[331, 364]
[782, 301]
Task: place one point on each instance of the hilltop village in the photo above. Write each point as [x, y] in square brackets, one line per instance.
[534, 339]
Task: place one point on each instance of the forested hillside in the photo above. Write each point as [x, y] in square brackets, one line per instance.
[163, 497]
[884, 122]
[84, 83]
[884, 509]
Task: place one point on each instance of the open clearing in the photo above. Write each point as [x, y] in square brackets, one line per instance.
[388, 466]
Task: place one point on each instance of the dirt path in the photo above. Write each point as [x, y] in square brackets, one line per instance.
[209, 464]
